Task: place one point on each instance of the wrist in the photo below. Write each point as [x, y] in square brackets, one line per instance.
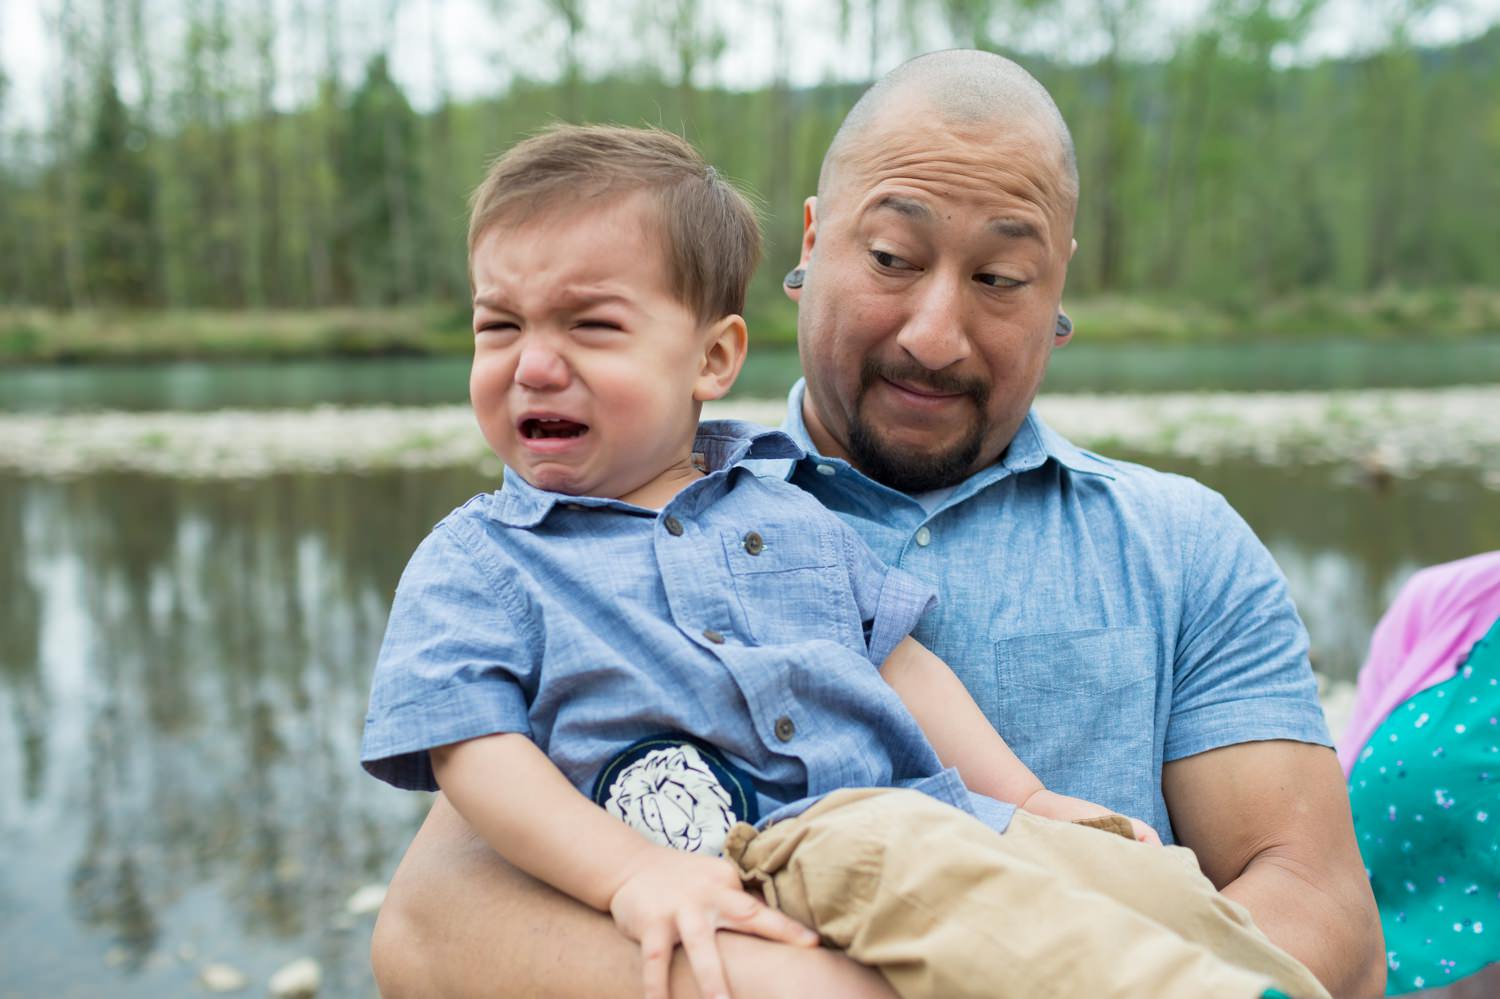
[1035, 800]
[627, 865]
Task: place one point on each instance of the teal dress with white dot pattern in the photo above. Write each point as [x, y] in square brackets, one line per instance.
[1425, 793]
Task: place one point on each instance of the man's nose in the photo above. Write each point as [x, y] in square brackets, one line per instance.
[540, 365]
[935, 334]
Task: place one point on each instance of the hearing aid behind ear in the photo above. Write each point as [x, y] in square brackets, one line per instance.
[1064, 324]
[794, 277]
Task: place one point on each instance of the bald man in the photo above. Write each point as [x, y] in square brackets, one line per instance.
[1122, 628]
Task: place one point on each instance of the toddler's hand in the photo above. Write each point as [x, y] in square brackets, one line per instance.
[672, 896]
[1144, 833]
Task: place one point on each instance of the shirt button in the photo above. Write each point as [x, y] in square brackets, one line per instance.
[826, 470]
[785, 729]
[673, 525]
[924, 536]
[754, 543]
[713, 636]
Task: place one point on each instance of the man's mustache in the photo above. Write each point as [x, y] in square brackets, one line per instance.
[916, 376]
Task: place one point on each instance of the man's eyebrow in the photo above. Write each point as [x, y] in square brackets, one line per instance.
[1012, 228]
[1004, 226]
[910, 207]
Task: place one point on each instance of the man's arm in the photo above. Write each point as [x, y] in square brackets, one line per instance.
[1270, 824]
[459, 922]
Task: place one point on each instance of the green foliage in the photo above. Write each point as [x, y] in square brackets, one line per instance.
[30, 336]
[1250, 190]
[116, 201]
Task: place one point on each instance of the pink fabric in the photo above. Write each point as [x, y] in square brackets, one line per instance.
[1437, 617]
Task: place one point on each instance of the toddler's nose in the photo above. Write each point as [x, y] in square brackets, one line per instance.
[541, 367]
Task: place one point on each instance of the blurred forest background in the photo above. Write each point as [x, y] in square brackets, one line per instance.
[256, 178]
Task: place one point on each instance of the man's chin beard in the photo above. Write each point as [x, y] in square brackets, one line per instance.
[911, 471]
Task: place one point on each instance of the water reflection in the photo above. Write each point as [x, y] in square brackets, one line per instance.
[183, 672]
[184, 675]
[1347, 544]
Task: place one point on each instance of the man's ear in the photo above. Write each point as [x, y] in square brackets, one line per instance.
[1073, 249]
[723, 355]
[809, 237]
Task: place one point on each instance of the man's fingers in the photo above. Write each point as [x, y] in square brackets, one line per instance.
[702, 949]
[656, 964]
[759, 919]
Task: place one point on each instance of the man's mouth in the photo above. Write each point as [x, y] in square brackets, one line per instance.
[541, 428]
[926, 391]
[935, 387]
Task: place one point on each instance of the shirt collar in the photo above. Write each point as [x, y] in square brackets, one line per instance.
[1032, 446]
[724, 444]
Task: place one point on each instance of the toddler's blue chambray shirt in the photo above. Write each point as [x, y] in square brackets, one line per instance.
[742, 621]
[1106, 617]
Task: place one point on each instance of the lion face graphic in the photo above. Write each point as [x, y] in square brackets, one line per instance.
[673, 798]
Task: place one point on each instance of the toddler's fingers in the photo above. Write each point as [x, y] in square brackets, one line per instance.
[749, 915]
[697, 935]
[656, 963]
[1144, 833]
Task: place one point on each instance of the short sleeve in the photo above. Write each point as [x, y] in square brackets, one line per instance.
[890, 601]
[1241, 672]
[454, 665]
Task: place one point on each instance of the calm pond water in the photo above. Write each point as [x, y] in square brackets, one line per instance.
[1082, 367]
[183, 670]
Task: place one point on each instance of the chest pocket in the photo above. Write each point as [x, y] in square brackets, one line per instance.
[1079, 707]
[791, 583]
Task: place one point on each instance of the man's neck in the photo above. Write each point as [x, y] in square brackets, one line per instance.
[823, 441]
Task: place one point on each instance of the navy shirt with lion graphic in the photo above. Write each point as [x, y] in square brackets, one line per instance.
[711, 662]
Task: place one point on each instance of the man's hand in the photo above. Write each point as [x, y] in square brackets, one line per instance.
[1066, 808]
[1270, 824]
[672, 896]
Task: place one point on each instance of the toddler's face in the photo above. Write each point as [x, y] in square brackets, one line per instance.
[587, 370]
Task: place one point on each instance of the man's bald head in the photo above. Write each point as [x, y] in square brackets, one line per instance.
[965, 86]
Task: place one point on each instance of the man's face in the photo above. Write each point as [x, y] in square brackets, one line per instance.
[935, 265]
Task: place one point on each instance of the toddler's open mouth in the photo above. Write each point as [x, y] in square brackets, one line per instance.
[537, 428]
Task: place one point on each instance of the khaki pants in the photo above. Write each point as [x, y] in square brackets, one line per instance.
[944, 907]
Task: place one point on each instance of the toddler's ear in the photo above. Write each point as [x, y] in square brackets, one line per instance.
[723, 354]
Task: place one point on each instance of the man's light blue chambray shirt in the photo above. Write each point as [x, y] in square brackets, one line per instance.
[594, 626]
[1106, 617]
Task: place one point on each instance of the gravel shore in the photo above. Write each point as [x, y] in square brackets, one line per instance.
[1381, 433]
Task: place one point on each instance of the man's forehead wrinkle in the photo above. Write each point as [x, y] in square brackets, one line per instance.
[980, 92]
[957, 171]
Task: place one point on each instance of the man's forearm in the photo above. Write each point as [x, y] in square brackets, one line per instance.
[1269, 822]
[1338, 940]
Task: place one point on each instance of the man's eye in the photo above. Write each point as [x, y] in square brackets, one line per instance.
[598, 324]
[998, 281]
[889, 260]
[495, 327]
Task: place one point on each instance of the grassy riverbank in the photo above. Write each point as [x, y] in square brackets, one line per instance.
[32, 336]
